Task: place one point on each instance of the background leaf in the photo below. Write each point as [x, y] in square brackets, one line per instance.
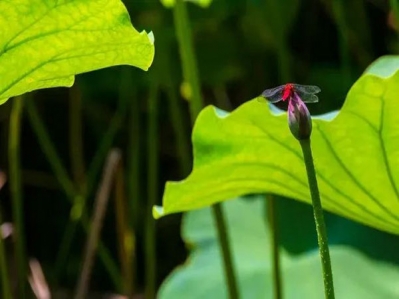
[251, 151]
[202, 3]
[46, 43]
[355, 275]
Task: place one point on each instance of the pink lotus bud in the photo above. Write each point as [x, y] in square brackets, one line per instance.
[299, 119]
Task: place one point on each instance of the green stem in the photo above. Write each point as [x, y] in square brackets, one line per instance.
[176, 115]
[395, 8]
[339, 13]
[16, 192]
[133, 175]
[97, 221]
[133, 149]
[152, 192]
[283, 56]
[126, 238]
[283, 59]
[271, 220]
[319, 220]
[226, 253]
[189, 64]
[190, 72]
[65, 182]
[76, 137]
[48, 149]
[5, 281]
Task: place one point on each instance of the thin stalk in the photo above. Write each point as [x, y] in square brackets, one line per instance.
[395, 7]
[76, 137]
[189, 63]
[190, 72]
[176, 115]
[100, 207]
[339, 13]
[49, 150]
[217, 210]
[106, 142]
[152, 192]
[133, 148]
[16, 192]
[5, 281]
[68, 187]
[283, 59]
[80, 201]
[319, 220]
[133, 159]
[282, 51]
[274, 240]
[126, 238]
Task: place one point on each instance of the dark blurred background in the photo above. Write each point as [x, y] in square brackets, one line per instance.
[242, 47]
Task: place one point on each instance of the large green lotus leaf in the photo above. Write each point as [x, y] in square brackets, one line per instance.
[202, 3]
[44, 43]
[251, 150]
[355, 275]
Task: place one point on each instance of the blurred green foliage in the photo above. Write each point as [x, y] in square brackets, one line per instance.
[355, 275]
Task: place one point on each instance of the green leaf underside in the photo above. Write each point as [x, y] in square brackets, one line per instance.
[171, 3]
[252, 151]
[355, 275]
[45, 43]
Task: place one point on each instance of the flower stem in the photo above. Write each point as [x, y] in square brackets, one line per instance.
[271, 220]
[319, 220]
[190, 73]
[16, 192]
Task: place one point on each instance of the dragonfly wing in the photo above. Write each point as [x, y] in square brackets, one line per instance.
[309, 98]
[275, 98]
[273, 95]
[271, 91]
[301, 89]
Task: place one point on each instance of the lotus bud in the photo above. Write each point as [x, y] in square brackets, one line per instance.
[299, 119]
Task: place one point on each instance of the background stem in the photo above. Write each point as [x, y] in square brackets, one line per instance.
[76, 138]
[68, 187]
[226, 253]
[189, 63]
[319, 219]
[126, 237]
[16, 192]
[176, 115]
[272, 223]
[190, 73]
[100, 207]
[152, 192]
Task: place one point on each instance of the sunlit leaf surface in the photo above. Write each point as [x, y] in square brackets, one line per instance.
[355, 275]
[44, 43]
[251, 151]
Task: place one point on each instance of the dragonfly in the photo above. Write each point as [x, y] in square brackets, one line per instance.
[285, 92]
